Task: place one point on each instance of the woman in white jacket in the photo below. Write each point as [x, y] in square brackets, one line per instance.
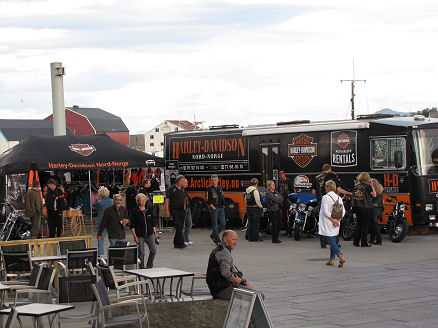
[328, 226]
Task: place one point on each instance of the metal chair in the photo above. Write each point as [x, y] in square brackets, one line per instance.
[120, 257]
[106, 316]
[13, 318]
[44, 287]
[118, 283]
[76, 261]
[71, 245]
[17, 265]
[23, 248]
[74, 289]
[192, 292]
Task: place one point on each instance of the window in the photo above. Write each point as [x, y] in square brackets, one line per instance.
[157, 129]
[385, 150]
[151, 136]
[151, 144]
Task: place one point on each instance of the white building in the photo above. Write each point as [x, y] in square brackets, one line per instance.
[154, 139]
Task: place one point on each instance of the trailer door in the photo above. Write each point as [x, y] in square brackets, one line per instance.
[269, 156]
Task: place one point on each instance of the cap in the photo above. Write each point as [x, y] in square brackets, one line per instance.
[281, 172]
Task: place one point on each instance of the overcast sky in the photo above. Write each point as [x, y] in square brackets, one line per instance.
[232, 61]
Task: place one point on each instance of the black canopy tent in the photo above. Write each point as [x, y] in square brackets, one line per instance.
[73, 152]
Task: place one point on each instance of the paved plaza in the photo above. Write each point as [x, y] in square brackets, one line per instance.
[394, 285]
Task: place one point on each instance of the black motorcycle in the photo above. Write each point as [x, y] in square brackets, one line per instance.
[397, 224]
[15, 226]
[349, 222]
[302, 215]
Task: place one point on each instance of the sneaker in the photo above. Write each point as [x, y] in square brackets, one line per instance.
[186, 243]
[190, 242]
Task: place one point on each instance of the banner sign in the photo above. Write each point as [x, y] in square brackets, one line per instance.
[302, 150]
[343, 148]
[213, 153]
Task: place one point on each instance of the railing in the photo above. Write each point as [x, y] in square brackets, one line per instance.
[45, 246]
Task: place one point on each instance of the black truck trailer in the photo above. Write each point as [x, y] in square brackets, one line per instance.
[401, 152]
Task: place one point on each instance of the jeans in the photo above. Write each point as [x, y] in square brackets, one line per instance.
[54, 221]
[361, 232]
[275, 221]
[178, 217]
[376, 214]
[334, 249]
[113, 241]
[217, 222]
[150, 241]
[101, 244]
[253, 223]
[187, 225]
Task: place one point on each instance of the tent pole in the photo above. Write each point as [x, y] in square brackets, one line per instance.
[91, 206]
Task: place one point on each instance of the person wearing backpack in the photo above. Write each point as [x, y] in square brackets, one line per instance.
[330, 215]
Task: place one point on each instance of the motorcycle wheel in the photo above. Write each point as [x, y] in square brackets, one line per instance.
[398, 230]
[348, 225]
[297, 232]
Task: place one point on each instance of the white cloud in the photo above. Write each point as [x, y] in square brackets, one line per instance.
[243, 61]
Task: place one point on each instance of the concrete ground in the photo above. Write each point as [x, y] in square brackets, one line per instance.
[393, 285]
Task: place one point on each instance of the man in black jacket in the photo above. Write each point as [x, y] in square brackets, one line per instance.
[176, 206]
[55, 204]
[115, 219]
[215, 201]
[222, 274]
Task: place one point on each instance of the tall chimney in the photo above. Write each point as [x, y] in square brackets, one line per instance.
[57, 71]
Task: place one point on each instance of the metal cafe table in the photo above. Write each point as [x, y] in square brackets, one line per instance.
[158, 277]
[38, 310]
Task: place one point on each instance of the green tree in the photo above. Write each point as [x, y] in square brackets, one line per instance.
[425, 112]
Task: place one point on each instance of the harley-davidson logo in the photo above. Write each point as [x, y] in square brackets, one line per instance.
[302, 150]
[343, 141]
[82, 149]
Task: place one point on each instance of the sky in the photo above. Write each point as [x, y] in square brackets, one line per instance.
[222, 62]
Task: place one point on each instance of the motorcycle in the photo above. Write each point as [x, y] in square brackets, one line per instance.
[349, 222]
[302, 215]
[16, 226]
[397, 225]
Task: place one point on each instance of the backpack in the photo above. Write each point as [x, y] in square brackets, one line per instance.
[337, 209]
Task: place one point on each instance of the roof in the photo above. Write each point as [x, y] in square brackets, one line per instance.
[18, 130]
[405, 121]
[185, 125]
[101, 120]
[73, 152]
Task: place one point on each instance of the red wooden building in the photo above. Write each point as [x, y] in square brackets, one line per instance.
[82, 121]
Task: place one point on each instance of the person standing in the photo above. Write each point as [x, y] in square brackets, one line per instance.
[176, 207]
[188, 217]
[362, 203]
[143, 229]
[114, 220]
[34, 207]
[101, 204]
[376, 213]
[329, 227]
[55, 203]
[253, 210]
[285, 187]
[146, 189]
[274, 205]
[216, 201]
